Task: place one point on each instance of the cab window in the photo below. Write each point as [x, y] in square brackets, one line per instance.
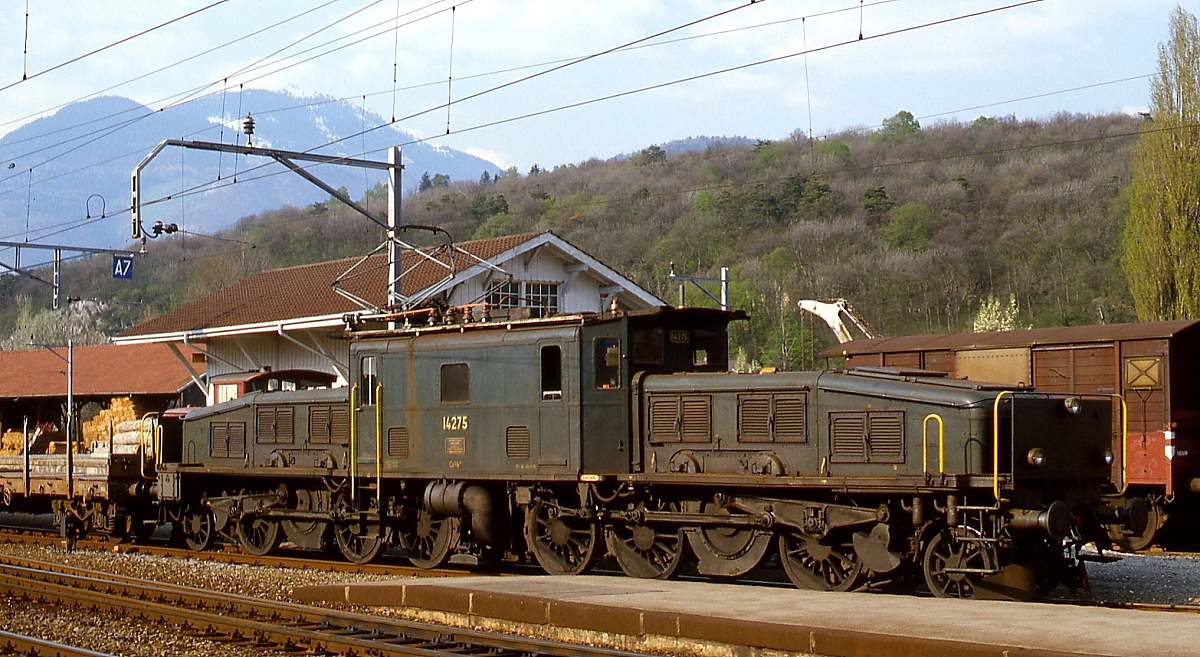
[367, 380]
[608, 363]
[551, 372]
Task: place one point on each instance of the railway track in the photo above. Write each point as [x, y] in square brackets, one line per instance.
[262, 623]
[19, 644]
[235, 556]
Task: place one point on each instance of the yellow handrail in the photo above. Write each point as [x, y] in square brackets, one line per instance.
[353, 436]
[925, 443]
[996, 445]
[379, 441]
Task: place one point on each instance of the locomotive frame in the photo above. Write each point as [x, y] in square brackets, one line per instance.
[561, 439]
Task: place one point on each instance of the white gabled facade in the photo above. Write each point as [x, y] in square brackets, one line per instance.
[543, 271]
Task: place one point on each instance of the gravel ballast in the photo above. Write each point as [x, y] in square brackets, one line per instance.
[1135, 578]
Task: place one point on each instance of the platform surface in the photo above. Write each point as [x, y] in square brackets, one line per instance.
[740, 619]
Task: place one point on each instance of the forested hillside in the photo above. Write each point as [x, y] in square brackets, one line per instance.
[915, 225]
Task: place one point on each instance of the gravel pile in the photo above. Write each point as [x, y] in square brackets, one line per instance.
[1168, 580]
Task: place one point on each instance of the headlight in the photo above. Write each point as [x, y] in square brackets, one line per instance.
[1073, 405]
[1108, 456]
[1036, 457]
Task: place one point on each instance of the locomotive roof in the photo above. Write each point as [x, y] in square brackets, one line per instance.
[317, 396]
[893, 384]
[666, 314]
[1020, 338]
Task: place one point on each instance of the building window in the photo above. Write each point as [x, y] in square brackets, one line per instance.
[543, 296]
[456, 383]
[516, 294]
[505, 295]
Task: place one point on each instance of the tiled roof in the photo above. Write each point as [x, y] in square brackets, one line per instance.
[307, 290]
[100, 370]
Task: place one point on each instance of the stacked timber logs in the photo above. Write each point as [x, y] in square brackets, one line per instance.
[118, 429]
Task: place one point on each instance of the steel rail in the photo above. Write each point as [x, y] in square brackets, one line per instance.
[268, 622]
[19, 644]
[314, 562]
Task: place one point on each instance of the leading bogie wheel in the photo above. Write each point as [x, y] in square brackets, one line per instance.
[956, 561]
[198, 527]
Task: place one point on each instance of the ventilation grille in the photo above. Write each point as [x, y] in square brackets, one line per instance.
[874, 437]
[397, 442]
[791, 418]
[329, 424]
[885, 438]
[516, 443]
[754, 419]
[846, 437]
[696, 420]
[227, 440]
[276, 424]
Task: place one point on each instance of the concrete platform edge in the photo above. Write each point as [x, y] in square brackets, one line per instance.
[637, 629]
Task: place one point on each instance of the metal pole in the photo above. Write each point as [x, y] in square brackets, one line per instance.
[393, 220]
[70, 421]
[57, 274]
[25, 431]
[724, 288]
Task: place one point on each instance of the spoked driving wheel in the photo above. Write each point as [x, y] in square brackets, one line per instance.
[562, 543]
[358, 542]
[198, 532]
[956, 561]
[648, 550]
[257, 535]
[429, 541]
[820, 565]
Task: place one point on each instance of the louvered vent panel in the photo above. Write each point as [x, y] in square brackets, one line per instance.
[664, 419]
[318, 424]
[237, 439]
[754, 419]
[846, 437]
[397, 442]
[218, 440]
[339, 425]
[265, 425]
[886, 437]
[285, 424]
[791, 418]
[696, 420]
[516, 443]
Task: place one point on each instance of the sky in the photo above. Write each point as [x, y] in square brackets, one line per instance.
[551, 82]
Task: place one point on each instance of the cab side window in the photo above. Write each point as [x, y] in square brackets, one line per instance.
[368, 379]
[551, 372]
[608, 363]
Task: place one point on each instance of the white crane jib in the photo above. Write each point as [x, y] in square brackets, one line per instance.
[836, 313]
